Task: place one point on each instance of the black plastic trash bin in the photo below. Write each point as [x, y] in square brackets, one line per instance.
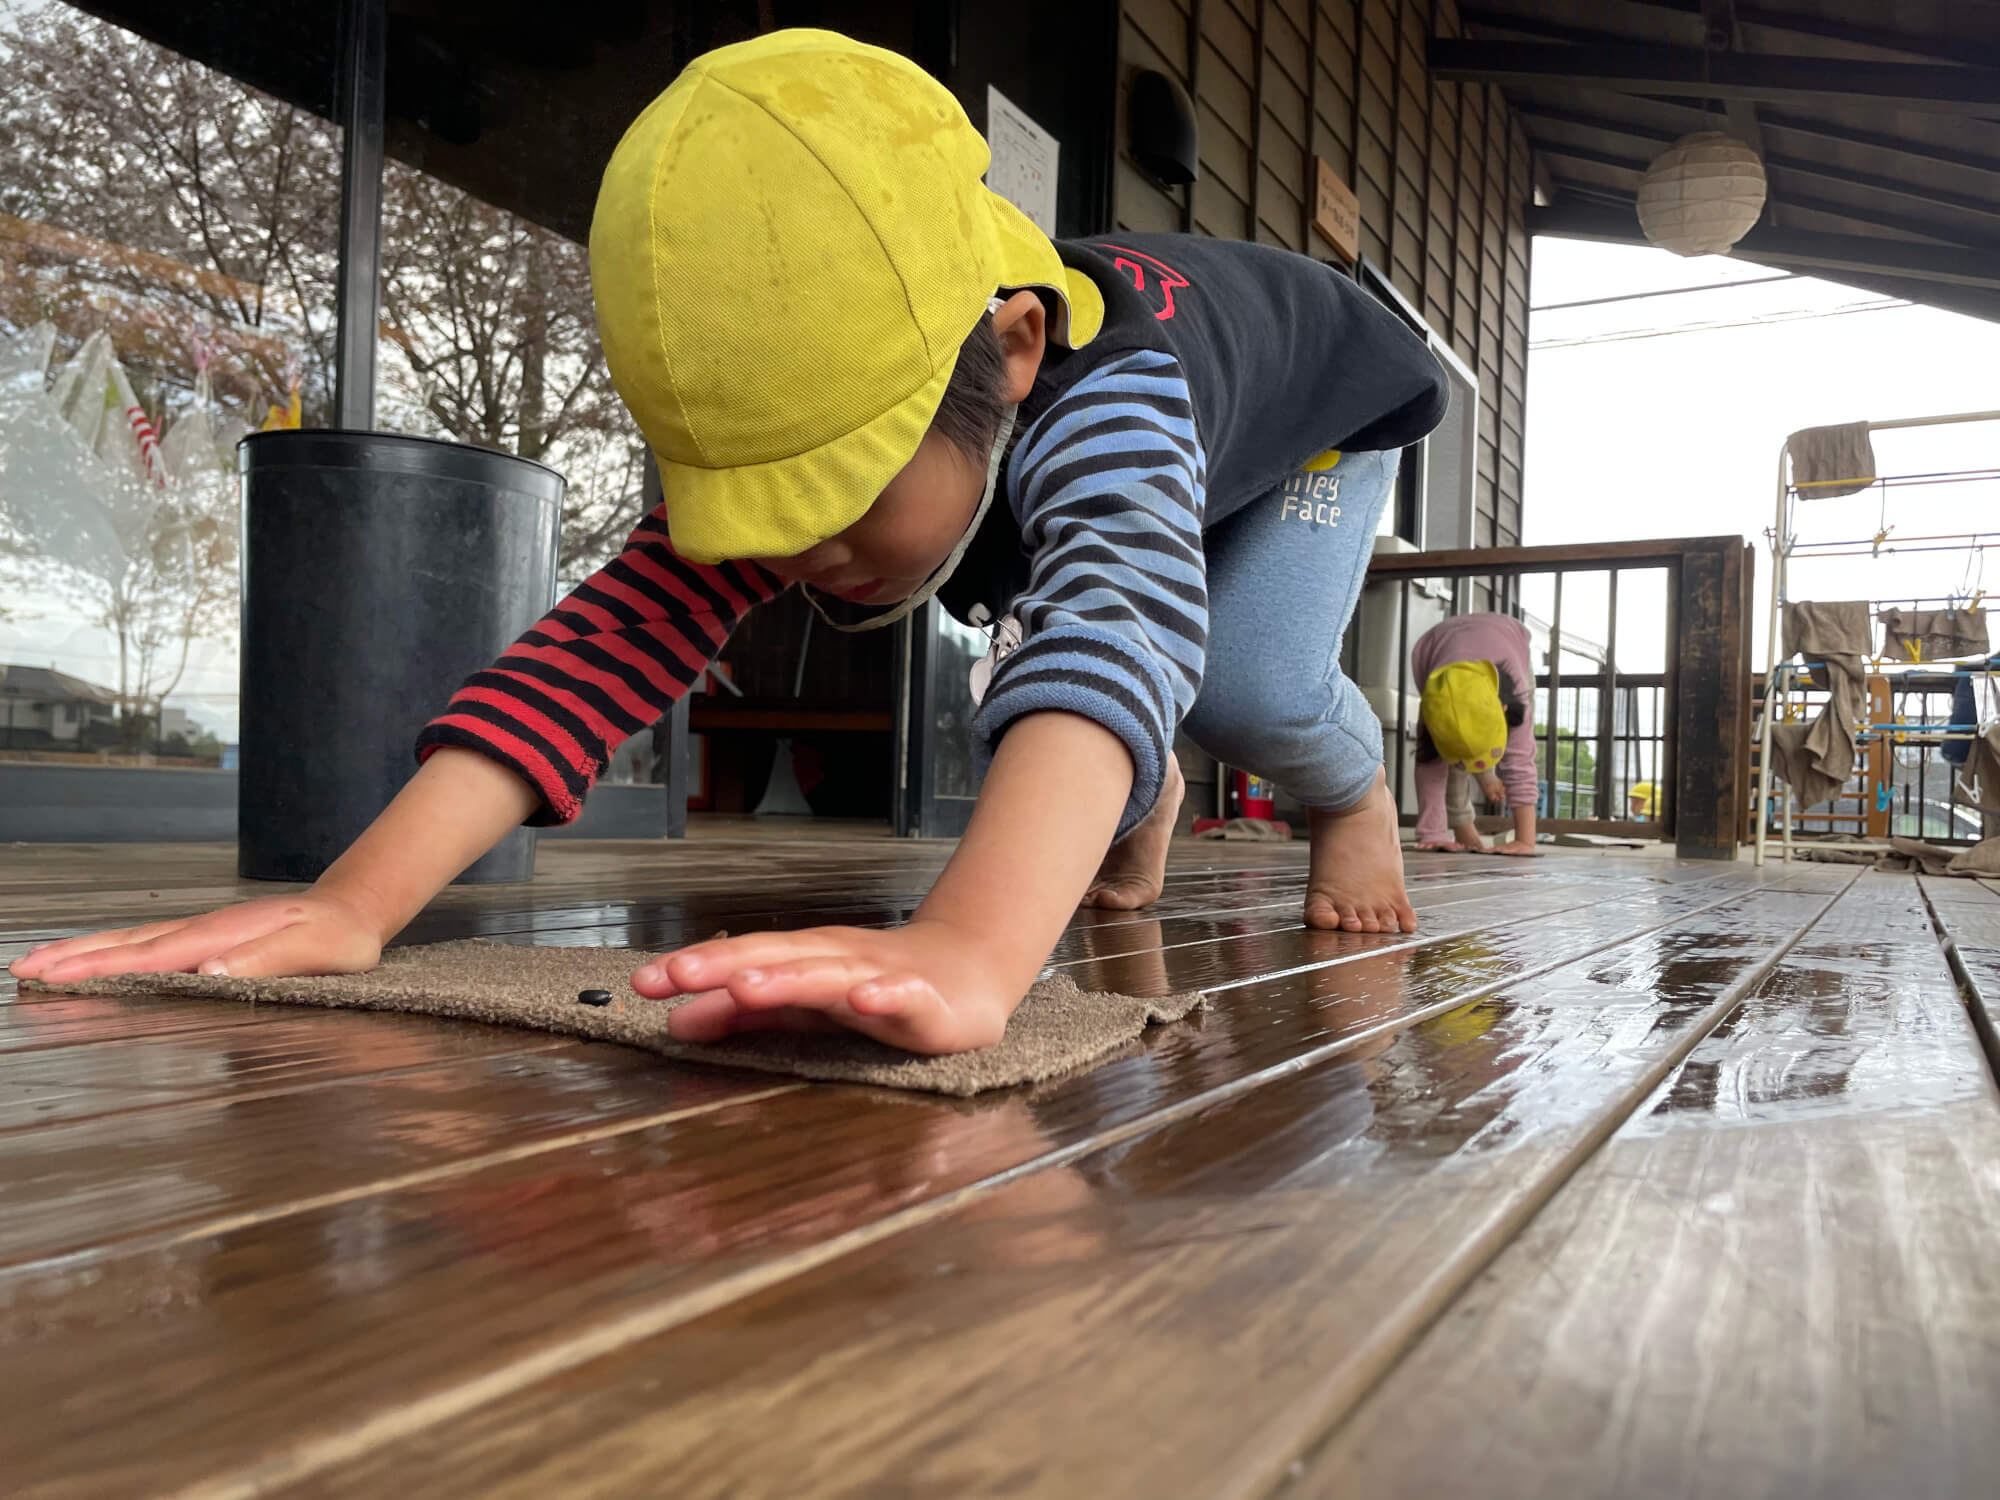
[379, 572]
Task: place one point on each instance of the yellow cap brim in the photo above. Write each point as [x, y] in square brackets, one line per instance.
[761, 510]
[1025, 259]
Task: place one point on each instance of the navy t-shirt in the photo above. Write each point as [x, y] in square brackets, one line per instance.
[1221, 370]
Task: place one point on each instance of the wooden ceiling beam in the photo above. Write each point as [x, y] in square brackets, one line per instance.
[1693, 73]
[1828, 28]
[1612, 220]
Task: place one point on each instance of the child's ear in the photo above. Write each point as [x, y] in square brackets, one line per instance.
[1021, 325]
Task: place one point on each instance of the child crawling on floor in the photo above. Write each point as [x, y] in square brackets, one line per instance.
[1474, 678]
[1151, 464]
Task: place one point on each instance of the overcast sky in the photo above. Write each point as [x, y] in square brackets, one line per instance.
[1664, 416]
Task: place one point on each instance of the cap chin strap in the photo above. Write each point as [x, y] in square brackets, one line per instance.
[944, 569]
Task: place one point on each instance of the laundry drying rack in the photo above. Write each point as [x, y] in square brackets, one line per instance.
[1786, 681]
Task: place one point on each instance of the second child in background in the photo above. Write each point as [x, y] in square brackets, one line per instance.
[1474, 731]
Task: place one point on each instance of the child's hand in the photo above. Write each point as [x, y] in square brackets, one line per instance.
[303, 934]
[926, 987]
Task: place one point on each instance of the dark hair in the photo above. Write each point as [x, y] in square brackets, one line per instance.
[1511, 701]
[975, 401]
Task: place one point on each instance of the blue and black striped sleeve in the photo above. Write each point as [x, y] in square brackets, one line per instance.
[1107, 487]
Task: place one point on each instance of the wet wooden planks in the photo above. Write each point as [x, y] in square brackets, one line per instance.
[1209, 1248]
[1967, 912]
[472, 1264]
[69, 1190]
[1165, 1315]
[1778, 1278]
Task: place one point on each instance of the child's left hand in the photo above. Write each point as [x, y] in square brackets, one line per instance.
[926, 986]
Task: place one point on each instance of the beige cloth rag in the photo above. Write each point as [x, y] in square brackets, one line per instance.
[1903, 855]
[1816, 759]
[1058, 1029]
[1983, 858]
[1820, 454]
[1934, 634]
[1249, 831]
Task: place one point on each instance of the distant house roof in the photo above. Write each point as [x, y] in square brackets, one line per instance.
[47, 685]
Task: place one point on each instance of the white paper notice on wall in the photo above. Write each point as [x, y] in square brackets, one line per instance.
[1024, 160]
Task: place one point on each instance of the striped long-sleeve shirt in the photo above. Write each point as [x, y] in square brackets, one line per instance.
[606, 662]
[1276, 357]
[1107, 489]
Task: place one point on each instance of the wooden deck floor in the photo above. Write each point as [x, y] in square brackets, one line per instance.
[1625, 1177]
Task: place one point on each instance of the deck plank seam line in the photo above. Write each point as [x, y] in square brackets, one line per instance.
[315, 1455]
[142, 1243]
[1974, 998]
[1238, 937]
[1321, 1413]
[154, 1110]
[1418, 940]
[28, 1049]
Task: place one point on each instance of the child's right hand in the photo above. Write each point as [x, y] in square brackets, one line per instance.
[309, 933]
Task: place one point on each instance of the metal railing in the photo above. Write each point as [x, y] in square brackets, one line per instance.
[1607, 723]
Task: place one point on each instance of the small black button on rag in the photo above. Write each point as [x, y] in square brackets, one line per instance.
[593, 997]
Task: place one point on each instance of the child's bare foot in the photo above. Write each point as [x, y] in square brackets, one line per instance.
[1445, 847]
[1469, 839]
[1135, 870]
[1357, 867]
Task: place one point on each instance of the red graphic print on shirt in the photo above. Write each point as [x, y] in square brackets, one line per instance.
[1164, 278]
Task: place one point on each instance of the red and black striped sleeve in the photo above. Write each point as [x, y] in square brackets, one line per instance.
[606, 662]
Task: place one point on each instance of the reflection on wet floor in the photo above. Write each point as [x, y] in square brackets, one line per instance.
[1855, 1020]
[232, 1232]
[1774, 1278]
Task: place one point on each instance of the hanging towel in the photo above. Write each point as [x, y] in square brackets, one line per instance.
[1934, 634]
[1827, 630]
[1822, 454]
[1815, 770]
[1816, 759]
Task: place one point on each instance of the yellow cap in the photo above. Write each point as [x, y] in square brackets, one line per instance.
[790, 245]
[1461, 709]
[1646, 794]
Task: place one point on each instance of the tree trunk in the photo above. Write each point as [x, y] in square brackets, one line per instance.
[534, 355]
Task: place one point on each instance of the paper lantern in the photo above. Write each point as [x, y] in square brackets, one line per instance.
[1702, 194]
